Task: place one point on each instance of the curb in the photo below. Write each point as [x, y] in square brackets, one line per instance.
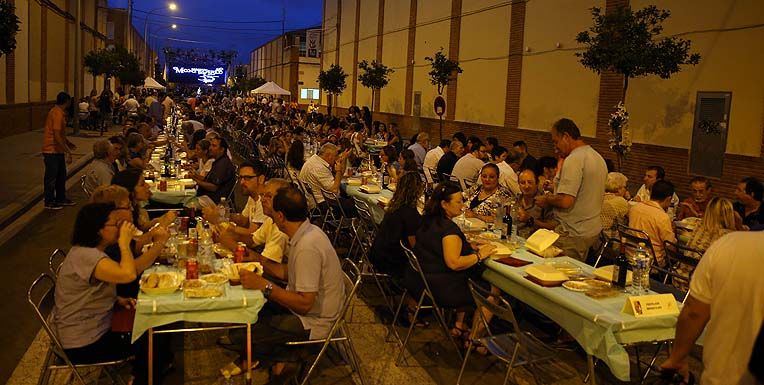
[36, 195]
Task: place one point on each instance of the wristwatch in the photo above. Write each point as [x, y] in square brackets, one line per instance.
[267, 290]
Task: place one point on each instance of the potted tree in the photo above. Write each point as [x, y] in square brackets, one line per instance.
[442, 71]
[333, 83]
[627, 42]
[9, 26]
[101, 62]
[374, 76]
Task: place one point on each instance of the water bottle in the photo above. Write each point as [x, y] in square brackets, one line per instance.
[639, 263]
[223, 210]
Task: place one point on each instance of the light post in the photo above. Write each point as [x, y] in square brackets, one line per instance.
[171, 7]
[155, 40]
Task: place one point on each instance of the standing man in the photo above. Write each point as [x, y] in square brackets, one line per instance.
[725, 300]
[577, 202]
[56, 153]
[420, 148]
[434, 155]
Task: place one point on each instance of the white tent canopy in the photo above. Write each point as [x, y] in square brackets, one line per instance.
[152, 84]
[270, 88]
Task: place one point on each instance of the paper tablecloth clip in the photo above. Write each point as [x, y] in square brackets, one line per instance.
[244, 300]
[154, 306]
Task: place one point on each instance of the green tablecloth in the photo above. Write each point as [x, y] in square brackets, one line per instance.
[597, 324]
[173, 197]
[237, 305]
[377, 213]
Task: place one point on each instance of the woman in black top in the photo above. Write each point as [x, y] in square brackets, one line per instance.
[447, 259]
[400, 223]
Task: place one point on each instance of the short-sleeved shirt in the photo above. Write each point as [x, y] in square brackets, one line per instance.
[386, 253]
[100, 174]
[446, 163]
[655, 222]
[432, 157]
[644, 195]
[754, 220]
[467, 167]
[55, 122]
[222, 174]
[614, 211]
[131, 105]
[254, 210]
[275, 241]
[83, 309]
[582, 176]
[318, 174]
[537, 213]
[313, 267]
[508, 178]
[729, 279]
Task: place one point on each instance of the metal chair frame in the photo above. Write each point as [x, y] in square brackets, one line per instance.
[426, 293]
[519, 343]
[84, 185]
[54, 262]
[344, 221]
[633, 237]
[338, 332]
[56, 350]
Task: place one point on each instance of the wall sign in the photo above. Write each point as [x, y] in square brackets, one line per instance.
[196, 74]
[313, 42]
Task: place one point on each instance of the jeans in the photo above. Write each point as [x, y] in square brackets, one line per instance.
[54, 182]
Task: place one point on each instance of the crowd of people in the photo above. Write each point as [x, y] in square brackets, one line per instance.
[295, 161]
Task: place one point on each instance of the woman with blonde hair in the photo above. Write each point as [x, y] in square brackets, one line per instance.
[718, 220]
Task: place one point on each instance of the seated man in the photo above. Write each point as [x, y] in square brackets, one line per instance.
[652, 175]
[448, 160]
[651, 217]
[251, 180]
[313, 298]
[317, 171]
[507, 176]
[433, 156]
[101, 170]
[420, 148]
[615, 207]
[219, 182]
[267, 234]
[749, 194]
[468, 167]
[695, 206]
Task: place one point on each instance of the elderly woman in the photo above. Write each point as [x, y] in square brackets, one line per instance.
[140, 193]
[531, 217]
[446, 258]
[483, 198]
[718, 220]
[86, 293]
[615, 204]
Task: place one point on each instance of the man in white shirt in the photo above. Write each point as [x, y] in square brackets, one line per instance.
[580, 186]
[317, 171]
[652, 175]
[131, 105]
[251, 179]
[420, 148]
[726, 299]
[507, 176]
[433, 156]
[468, 167]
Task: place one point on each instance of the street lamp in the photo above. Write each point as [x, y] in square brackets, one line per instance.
[171, 7]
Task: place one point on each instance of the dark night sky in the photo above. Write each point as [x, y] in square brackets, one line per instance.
[241, 25]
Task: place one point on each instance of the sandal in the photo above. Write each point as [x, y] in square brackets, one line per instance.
[234, 370]
[477, 347]
[420, 323]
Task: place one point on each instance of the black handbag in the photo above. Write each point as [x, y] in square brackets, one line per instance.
[670, 377]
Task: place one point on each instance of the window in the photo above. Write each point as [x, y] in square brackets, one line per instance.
[709, 133]
[309, 93]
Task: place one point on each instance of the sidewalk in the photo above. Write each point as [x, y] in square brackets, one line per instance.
[23, 169]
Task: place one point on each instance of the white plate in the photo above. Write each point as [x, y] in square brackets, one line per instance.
[576, 286]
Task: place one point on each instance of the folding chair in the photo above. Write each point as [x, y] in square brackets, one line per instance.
[633, 237]
[40, 297]
[677, 255]
[506, 347]
[84, 185]
[426, 293]
[55, 261]
[339, 333]
[315, 212]
[606, 248]
[344, 221]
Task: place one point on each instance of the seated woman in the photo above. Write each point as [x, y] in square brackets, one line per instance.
[446, 258]
[406, 160]
[400, 223]
[86, 294]
[140, 193]
[136, 151]
[718, 220]
[483, 198]
[615, 204]
[529, 216]
[203, 158]
[389, 158]
[157, 236]
[295, 159]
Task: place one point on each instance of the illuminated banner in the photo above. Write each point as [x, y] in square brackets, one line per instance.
[196, 74]
[313, 42]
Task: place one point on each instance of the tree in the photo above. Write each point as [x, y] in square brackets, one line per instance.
[374, 76]
[443, 70]
[101, 62]
[9, 26]
[128, 68]
[332, 82]
[628, 43]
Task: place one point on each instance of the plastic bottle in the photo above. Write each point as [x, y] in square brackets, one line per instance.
[223, 210]
[640, 271]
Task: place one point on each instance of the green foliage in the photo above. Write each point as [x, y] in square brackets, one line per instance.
[9, 26]
[442, 70]
[333, 80]
[375, 75]
[247, 84]
[628, 43]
